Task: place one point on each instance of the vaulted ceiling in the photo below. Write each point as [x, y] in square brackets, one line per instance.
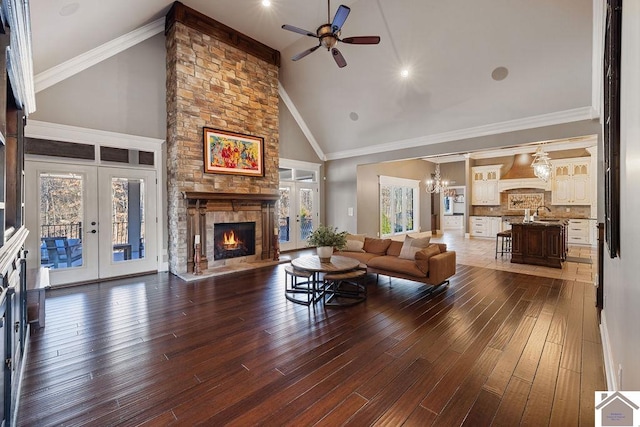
[450, 47]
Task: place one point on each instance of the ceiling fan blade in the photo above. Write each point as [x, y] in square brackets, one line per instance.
[338, 58]
[299, 30]
[361, 40]
[341, 16]
[304, 53]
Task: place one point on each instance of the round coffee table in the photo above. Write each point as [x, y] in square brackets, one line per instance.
[335, 266]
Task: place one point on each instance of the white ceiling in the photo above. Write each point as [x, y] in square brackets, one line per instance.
[451, 47]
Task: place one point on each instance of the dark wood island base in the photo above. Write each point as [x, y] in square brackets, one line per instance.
[542, 242]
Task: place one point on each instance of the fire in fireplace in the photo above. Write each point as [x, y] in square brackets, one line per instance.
[234, 239]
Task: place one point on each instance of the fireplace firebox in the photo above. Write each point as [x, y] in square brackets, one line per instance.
[234, 239]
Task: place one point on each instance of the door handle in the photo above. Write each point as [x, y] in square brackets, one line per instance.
[93, 231]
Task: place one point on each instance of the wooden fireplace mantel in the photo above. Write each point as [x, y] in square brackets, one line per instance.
[254, 197]
[198, 204]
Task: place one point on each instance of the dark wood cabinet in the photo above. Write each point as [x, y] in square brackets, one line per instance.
[17, 99]
[539, 243]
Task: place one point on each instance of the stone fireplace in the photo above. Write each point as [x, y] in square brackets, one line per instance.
[221, 79]
[234, 239]
[205, 210]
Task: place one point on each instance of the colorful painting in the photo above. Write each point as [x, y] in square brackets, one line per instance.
[233, 153]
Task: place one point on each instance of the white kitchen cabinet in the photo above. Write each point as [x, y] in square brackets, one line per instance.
[496, 225]
[578, 232]
[485, 226]
[484, 185]
[571, 181]
[593, 231]
[453, 222]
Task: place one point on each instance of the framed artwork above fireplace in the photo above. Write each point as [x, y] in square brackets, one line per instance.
[233, 153]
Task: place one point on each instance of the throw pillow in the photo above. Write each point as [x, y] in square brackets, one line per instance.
[412, 245]
[423, 255]
[376, 246]
[355, 243]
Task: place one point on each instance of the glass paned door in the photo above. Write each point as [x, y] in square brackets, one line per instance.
[307, 213]
[63, 230]
[127, 218]
[284, 218]
[92, 222]
[298, 214]
[128, 224]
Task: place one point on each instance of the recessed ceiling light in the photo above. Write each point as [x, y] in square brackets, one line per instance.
[500, 73]
[69, 9]
[404, 73]
[354, 116]
[266, 3]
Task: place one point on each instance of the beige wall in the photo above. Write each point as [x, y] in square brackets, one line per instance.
[368, 205]
[341, 175]
[294, 145]
[125, 94]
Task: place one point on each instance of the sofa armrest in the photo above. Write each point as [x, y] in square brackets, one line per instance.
[441, 267]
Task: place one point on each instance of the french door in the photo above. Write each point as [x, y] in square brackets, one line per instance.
[92, 222]
[298, 213]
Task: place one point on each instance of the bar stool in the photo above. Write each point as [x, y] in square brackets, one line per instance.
[300, 292]
[344, 289]
[505, 246]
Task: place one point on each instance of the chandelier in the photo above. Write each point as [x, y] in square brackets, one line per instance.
[436, 185]
[541, 166]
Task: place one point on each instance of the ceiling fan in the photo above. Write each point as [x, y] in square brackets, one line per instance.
[329, 35]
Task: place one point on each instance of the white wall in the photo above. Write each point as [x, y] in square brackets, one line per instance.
[621, 275]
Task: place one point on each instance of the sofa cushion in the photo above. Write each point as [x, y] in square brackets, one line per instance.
[412, 245]
[376, 246]
[394, 248]
[363, 257]
[423, 255]
[395, 264]
[355, 243]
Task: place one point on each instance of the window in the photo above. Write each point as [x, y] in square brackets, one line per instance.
[399, 202]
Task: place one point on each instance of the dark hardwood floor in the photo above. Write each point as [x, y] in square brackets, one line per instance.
[492, 348]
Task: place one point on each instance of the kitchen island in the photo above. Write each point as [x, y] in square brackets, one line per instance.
[541, 242]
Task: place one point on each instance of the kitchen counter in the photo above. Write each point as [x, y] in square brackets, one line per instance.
[543, 222]
[542, 242]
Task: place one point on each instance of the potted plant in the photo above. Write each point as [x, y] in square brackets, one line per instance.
[325, 239]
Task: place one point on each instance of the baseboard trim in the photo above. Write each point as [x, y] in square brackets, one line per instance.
[609, 368]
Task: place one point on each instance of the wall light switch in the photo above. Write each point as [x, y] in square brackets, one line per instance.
[350, 211]
[568, 209]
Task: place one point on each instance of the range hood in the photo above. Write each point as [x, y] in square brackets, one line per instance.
[521, 175]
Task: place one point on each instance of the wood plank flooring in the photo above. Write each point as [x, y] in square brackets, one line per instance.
[492, 348]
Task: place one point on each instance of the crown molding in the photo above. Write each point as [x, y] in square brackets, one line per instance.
[588, 142]
[88, 59]
[299, 164]
[300, 121]
[560, 117]
[66, 133]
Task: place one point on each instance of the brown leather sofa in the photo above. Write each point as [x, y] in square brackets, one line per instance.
[432, 265]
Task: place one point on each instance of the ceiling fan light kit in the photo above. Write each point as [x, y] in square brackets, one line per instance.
[328, 35]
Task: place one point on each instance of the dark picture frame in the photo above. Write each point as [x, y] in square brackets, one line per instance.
[611, 135]
[233, 153]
